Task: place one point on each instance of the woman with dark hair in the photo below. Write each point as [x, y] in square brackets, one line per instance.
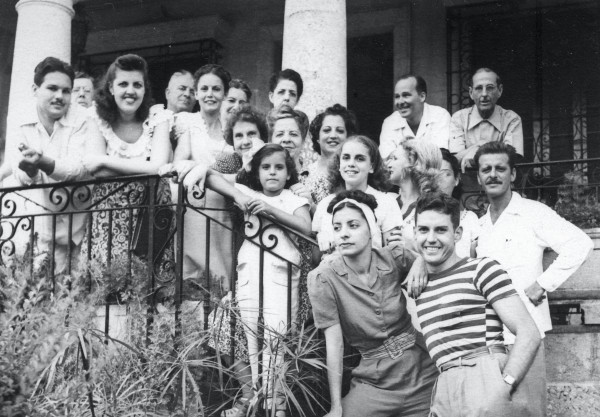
[448, 182]
[328, 131]
[356, 297]
[359, 167]
[132, 143]
[285, 87]
[238, 95]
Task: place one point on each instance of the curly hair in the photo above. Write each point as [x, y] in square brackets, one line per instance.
[426, 162]
[214, 69]
[378, 179]
[251, 178]
[348, 116]
[441, 203]
[246, 114]
[105, 102]
[241, 85]
[356, 195]
[286, 112]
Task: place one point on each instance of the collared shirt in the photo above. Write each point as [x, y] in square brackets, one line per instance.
[66, 146]
[517, 241]
[434, 128]
[468, 128]
[368, 313]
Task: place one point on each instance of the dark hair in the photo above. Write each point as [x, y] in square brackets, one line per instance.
[246, 114]
[51, 64]
[494, 147]
[286, 112]
[81, 74]
[356, 195]
[105, 102]
[421, 84]
[241, 85]
[379, 179]
[336, 110]
[440, 202]
[287, 74]
[455, 166]
[214, 69]
[484, 69]
[251, 179]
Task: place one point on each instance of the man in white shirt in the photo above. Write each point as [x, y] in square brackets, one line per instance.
[45, 145]
[485, 121]
[413, 118]
[515, 232]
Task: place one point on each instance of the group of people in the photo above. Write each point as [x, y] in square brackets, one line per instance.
[423, 289]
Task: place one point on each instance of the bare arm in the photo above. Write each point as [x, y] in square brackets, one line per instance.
[515, 316]
[335, 352]
[299, 221]
[183, 151]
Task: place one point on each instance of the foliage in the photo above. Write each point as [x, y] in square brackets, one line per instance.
[577, 202]
[55, 358]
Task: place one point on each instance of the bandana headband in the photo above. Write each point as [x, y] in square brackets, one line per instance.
[376, 239]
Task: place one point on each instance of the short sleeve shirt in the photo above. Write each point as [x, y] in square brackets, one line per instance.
[368, 313]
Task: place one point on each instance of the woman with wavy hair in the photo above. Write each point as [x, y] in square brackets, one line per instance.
[132, 142]
[359, 167]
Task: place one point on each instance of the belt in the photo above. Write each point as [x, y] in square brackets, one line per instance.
[475, 353]
[393, 347]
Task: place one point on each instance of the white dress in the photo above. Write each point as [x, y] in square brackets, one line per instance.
[212, 206]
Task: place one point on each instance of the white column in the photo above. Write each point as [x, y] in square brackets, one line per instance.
[314, 44]
[43, 29]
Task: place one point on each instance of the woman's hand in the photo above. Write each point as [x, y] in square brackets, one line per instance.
[301, 191]
[195, 176]
[93, 163]
[417, 278]
[242, 201]
[180, 169]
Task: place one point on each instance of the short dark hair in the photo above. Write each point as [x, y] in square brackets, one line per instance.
[105, 102]
[214, 69]
[496, 147]
[421, 84]
[356, 195]
[51, 64]
[455, 166]
[379, 179]
[287, 74]
[82, 74]
[286, 112]
[485, 69]
[440, 202]
[251, 178]
[241, 85]
[249, 115]
[335, 110]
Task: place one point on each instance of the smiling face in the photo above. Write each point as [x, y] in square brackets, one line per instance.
[273, 174]
[210, 93]
[407, 100]
[243, 135]
[485, 92]
[436, 238]
[355, 165]
[53, 95]
[397, 164]
[181, 93]
[286, 133]
[351, 231]
[332, 134]
[128, 91]
[495, 175]
[83, 91]
[286, 92]
[235, 99]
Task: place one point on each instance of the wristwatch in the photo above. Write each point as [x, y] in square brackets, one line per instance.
[509, 379]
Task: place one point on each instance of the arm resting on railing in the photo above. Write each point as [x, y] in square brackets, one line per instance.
[335, 351]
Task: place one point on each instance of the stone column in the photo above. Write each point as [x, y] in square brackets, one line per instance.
[314, 44]
[43, 29]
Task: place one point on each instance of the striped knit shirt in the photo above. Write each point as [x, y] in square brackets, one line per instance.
[455, 309]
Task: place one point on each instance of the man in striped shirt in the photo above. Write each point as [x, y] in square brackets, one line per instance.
[461, 312]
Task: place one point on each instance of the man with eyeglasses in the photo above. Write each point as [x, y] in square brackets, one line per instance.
[484, 121]
[83, 89]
